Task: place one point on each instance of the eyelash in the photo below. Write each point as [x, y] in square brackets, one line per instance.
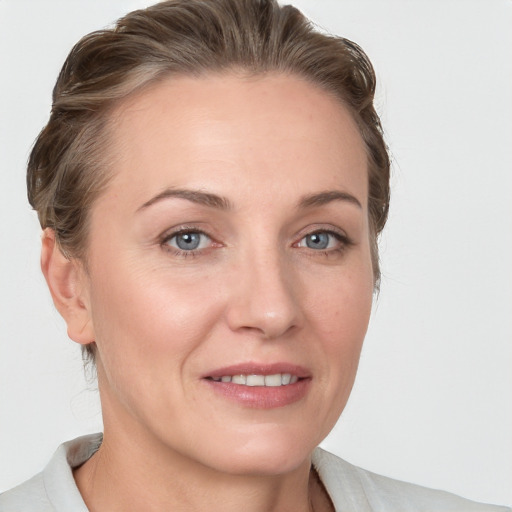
[342, 238]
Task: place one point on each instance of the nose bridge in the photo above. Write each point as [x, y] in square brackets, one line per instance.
[266, 299]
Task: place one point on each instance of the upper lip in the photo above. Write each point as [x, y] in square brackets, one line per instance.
[252, 368]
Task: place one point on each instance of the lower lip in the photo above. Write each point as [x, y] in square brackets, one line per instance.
[261, 397]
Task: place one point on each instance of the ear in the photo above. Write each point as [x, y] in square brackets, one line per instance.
[67, 282]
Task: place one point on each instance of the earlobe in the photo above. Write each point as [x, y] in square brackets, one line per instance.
[66, 280]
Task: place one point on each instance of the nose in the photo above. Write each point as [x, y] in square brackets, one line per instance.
[266, 296]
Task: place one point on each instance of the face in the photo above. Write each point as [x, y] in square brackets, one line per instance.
[229, 279]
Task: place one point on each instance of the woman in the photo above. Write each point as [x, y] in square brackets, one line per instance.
[211, 185]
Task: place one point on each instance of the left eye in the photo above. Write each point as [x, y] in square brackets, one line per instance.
[320, 240]
[189, 241]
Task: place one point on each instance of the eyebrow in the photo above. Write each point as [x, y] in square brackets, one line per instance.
[195, 196]
[222, 203]
[321, 198]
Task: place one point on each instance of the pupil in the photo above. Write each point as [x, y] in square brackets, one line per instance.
[318, 241]
[188, 241]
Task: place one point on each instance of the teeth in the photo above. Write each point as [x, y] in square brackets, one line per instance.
[273, 380]
[255, 380]
[278, 379]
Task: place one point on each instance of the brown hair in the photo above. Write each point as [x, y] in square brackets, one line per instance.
[66, 170]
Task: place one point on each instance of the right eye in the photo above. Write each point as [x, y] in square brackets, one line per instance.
[188, 241]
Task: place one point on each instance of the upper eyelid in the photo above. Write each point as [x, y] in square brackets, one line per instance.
[310, 230]
[184, 232]
[177, 230]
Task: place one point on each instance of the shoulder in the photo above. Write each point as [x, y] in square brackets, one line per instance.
[27, 497]
[54, 489]
[353, 488]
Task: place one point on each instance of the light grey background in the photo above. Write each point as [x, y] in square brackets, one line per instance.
[433, 400]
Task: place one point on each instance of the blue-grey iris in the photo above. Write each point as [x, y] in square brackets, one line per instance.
[318, 241]
[188, 241]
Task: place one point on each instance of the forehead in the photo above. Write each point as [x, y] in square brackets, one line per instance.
[260, 132]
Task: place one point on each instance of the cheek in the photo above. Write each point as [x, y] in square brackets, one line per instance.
[338, 317]
[149, 327]
[341, 326]
[341, 307]
[143, 315]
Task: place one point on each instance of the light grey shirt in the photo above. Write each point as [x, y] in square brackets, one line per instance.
[351, 489]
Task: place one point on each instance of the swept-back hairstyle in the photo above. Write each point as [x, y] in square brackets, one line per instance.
[67, 169]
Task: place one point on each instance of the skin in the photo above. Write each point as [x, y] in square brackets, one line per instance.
[254, 291]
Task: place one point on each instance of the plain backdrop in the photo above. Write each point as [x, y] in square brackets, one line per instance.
[432, 403]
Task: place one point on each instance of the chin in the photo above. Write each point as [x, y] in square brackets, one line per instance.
[265, 454]
[264, 463]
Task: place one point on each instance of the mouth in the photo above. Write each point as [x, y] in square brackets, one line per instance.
[260, 386]
[252, 380]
